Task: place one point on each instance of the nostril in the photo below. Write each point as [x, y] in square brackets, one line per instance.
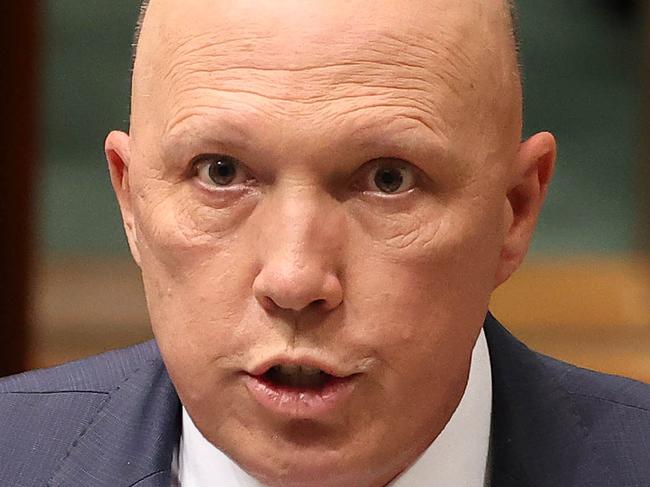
[270, 305]
[267, 303]
[308, 289]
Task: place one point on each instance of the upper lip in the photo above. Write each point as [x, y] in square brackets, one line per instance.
[304, 361]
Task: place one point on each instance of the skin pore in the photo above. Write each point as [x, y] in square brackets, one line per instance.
[302, 252]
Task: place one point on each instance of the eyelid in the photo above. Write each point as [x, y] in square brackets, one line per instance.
[390, 162]
[203, 160]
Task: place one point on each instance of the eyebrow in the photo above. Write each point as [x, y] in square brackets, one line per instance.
[403, 137]
[393, 133]
[223, 135]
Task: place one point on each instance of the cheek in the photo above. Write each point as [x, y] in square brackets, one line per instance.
[415, 315]
[179, 236]
[201, 318]
[198, 286]
[177, 222]
[422, 304]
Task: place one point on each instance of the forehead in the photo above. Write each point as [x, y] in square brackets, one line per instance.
[317, 19]
[426, 61]
[325, 41]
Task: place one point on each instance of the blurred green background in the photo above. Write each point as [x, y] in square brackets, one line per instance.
[582, 82]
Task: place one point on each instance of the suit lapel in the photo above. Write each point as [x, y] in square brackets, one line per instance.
[538, 438]
[131, 439]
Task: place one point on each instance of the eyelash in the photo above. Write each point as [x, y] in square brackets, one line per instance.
[202, 164]
[411, 178]
[368, 179]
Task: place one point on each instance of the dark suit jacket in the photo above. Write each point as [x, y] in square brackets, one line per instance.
[114, 420]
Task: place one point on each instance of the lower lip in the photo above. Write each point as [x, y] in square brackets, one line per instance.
[300, 403]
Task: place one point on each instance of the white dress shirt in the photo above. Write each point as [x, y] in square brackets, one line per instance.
[458, 457]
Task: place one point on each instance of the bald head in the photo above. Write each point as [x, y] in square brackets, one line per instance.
[468, 48]
[512, 24]
[145, 3]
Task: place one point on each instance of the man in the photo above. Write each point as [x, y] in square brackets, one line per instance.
[322, 196]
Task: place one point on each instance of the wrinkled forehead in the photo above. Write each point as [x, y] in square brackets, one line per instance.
[300, 56]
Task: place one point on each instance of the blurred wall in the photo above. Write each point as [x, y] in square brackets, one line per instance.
[18, 149]
[582, 81]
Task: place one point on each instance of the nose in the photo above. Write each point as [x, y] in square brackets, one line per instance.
[299, 249]
[297, 289]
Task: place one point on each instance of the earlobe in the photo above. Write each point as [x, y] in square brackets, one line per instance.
[530, 179]
[118, 155]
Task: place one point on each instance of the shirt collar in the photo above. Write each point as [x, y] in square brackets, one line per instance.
[458, 456]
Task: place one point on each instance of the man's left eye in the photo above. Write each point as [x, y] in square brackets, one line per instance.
[390, 177]
[220, 171]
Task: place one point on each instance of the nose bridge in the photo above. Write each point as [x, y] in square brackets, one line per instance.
[302, 217]
[299, 250]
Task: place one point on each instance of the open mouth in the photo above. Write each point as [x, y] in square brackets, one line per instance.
[297, 377]
[299, 390]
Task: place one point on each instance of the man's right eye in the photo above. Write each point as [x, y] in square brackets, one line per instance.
[220, 171]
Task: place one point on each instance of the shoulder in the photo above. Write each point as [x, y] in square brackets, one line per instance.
[607, 403]
[45, 411]
[98, 374]
[614, 415]
[590, 427]
[601, 388]
[534, 371]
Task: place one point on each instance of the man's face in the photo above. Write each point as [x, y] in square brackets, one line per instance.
[325, 184]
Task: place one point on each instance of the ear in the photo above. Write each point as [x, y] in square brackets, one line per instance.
[118, 154]
[527, 190]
